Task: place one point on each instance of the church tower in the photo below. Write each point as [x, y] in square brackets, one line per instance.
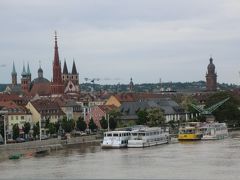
[65, 75]
[26, 79]
[57, 86]
[14, 76]
[211, 77]
[75, 74]
[131, 85]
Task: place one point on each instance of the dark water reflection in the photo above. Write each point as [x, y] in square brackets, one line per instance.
[189, 160]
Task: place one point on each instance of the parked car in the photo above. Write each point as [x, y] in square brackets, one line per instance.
[30, 139]
[20, 140]
[10, 141]
[44, 137]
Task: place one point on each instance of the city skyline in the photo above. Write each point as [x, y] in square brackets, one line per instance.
[145, 40]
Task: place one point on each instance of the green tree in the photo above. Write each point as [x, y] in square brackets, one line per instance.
[36, 130]
[229, 111]
[52, 128]
[155, 117]
[2, 129]
[92, 125]
[104, 123]
[112, 123]
[68, 125]
[113, 116]
[57, 125]
[186, 104]
[26, 128]
[16, 131]
[81, 124]
[142, 117]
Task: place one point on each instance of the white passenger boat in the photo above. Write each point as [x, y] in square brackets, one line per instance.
[214, 131]
[115, 139]
[148, 137]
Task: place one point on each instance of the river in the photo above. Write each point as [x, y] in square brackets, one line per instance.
[190, 160]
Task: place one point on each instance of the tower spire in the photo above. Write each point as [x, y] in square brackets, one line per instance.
[57, 83]
[65, 69]
[13, 69]
[56, 55]
[24, 70]
[14, 75]
[28, 70]
[74, 69]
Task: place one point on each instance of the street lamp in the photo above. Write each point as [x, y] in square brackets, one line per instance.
[4, 125]
[108, 121]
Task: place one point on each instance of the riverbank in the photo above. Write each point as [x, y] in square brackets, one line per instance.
[30, 148]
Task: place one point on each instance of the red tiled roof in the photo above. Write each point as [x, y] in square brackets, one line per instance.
[8, 104]
[47, 107]
[106, 108]
[9, 97]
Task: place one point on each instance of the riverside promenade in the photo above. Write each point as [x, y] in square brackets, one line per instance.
[31, 147]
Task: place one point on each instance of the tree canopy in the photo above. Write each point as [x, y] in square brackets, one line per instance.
[228, 112]
[104, 123]
[81, 124]
[16, 131]
[92, 125]
[155, 117]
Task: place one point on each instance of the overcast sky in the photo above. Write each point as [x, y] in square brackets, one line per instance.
[118, 39]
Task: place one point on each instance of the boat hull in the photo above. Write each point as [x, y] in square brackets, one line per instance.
[111, 146]
[141, 144]
[189, 137]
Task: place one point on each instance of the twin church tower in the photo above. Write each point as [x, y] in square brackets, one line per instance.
[63, 82]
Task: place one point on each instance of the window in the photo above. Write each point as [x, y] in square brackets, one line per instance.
[109, 135]
[16, 117]
[115, 134]
[22, 117]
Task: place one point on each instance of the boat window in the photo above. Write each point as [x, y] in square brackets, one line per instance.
[134, 134]
[115, 134]
[109, 135]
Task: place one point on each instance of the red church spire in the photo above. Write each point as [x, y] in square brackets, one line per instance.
[57, 83]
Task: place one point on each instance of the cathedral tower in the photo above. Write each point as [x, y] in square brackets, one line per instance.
[26, 79]
[211, 77]
[57, 86]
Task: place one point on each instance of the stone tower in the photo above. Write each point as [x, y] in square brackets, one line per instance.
[131, 85]
[65, 75]
[75, 74]
[14, 76]
[57, 86]
[26, 79]
[211, 77]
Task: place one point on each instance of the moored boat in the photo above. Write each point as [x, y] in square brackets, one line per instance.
[115, 139]
[214, 131]
[190, 131]
[148, 137]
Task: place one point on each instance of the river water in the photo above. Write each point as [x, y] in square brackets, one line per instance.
[190, 160]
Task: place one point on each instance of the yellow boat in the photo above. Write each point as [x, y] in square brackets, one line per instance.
[190, 131]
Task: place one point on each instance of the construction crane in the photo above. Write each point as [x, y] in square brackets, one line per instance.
[209, 110]
[92, 80]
